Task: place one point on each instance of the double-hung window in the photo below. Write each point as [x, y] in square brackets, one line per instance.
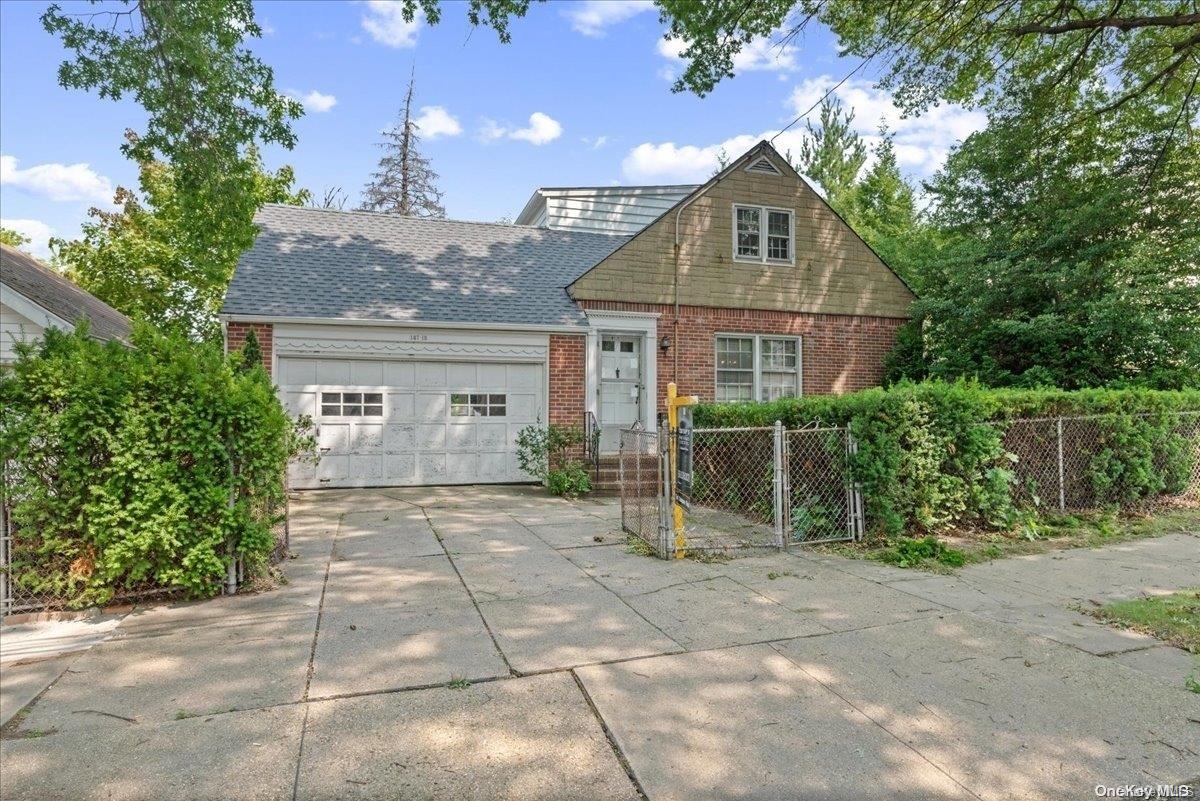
[762, 233]
[757, 367]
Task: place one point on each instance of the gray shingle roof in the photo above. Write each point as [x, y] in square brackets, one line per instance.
[54, 293]
[366, 266]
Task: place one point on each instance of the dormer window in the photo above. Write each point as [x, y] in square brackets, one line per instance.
[748, 234]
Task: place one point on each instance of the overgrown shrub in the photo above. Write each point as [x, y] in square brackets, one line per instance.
[545, 452]
[931, 455]
[148, 466]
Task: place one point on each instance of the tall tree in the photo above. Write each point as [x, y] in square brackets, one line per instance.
[404, 182]
[158, 258]
[206, 97]
[168, 253]
[833, 154]
[1069, 257]
[884, 211]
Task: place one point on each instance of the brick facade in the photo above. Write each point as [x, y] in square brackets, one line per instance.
[568, 384]
[235, 337]
[841, 353]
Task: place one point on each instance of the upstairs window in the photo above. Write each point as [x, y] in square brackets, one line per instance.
[748, 242]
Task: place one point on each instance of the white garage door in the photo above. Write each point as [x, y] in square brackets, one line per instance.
[398, 423]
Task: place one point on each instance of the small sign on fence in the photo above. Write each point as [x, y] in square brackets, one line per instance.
[683, 458]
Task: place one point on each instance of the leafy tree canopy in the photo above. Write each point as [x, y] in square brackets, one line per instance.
[206, 97]
[1067, 257]
[159, 259]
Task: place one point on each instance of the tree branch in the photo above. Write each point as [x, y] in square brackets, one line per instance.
[1119, 23]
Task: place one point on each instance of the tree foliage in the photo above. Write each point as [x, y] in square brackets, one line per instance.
[206, 97]
[970, 51]
[833, 154]
[12, 238]
[160, 258]
[139, 467]
[404, 182]
[1068, 257]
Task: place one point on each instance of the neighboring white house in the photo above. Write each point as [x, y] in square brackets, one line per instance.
[34, 297]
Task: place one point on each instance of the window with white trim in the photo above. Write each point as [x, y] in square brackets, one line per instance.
[748, 234]
[476, 404]
[352, 404]
[757, 367]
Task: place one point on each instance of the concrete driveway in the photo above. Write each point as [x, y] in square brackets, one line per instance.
[491, 643]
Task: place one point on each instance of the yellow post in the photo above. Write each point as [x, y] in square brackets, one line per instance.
[674, 402]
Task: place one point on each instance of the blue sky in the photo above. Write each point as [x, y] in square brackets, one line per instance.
[581, 96]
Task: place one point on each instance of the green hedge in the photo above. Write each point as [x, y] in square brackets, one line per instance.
[128, 468]
[931, 455]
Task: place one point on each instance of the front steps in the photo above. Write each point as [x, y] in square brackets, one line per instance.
[606, 478]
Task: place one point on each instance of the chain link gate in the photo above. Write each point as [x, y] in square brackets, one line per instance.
[822, 503]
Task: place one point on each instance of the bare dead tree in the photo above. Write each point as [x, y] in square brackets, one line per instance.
[404, 182]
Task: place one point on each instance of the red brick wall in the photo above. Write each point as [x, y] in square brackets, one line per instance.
[567, 383]
[236, 337]
[840, 353]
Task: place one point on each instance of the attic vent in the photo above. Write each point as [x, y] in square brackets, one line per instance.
[763, 165]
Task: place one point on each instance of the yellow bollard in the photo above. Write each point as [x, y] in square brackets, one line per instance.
[674, 403]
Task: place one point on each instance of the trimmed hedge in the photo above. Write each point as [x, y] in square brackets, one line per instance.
[132, 468]
[931, 455]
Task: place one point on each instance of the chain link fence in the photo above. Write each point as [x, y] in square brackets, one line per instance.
[23, 565]
[1087, 462]
[823, 502]
[640, 462]
[734, 485]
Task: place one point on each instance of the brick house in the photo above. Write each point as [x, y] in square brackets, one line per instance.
[421, 347]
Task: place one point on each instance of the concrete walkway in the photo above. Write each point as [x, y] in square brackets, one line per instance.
[493, 643]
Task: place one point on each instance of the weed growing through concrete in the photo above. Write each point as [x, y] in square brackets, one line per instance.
[458, 683]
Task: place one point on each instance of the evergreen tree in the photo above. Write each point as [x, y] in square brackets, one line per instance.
[833, 154]
[404, 182]
[252, 354]
[884, 210]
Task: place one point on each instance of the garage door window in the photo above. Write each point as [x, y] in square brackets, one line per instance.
[352, 404]
[464, 404]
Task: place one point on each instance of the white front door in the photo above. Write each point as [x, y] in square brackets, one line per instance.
[620, 387]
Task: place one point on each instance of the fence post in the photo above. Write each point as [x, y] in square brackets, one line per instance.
[779, 490]
[665, 529]
[1062, 487]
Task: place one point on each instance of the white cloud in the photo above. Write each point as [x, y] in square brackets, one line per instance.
[922, 142]
[542, 128]
[761, 54]
[593, 17]
[435, 121]
[38, 232]
[385, 22]
[490, 130]
[595, 143]
[59, 182]
[314, 101]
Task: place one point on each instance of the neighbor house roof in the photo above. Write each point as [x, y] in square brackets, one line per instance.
[319, 263]
[22, 273]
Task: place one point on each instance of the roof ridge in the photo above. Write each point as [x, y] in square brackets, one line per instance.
[387, 215]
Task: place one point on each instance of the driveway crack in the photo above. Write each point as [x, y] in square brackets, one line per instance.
[487, 627]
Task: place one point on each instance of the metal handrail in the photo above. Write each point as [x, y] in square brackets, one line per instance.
[591, 440]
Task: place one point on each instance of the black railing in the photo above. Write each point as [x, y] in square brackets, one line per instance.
[591, 440]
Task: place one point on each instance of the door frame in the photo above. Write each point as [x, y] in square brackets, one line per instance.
[639, 324]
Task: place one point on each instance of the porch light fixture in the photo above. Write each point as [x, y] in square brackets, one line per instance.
[664, 344]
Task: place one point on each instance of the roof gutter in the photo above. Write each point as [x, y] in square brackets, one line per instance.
[443, 324]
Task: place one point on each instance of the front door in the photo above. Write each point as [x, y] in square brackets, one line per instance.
[620, 387]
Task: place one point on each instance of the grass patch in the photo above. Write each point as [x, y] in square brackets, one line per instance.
[1030, 536]
[638, 546]
[1174, 618]
[458, 683]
